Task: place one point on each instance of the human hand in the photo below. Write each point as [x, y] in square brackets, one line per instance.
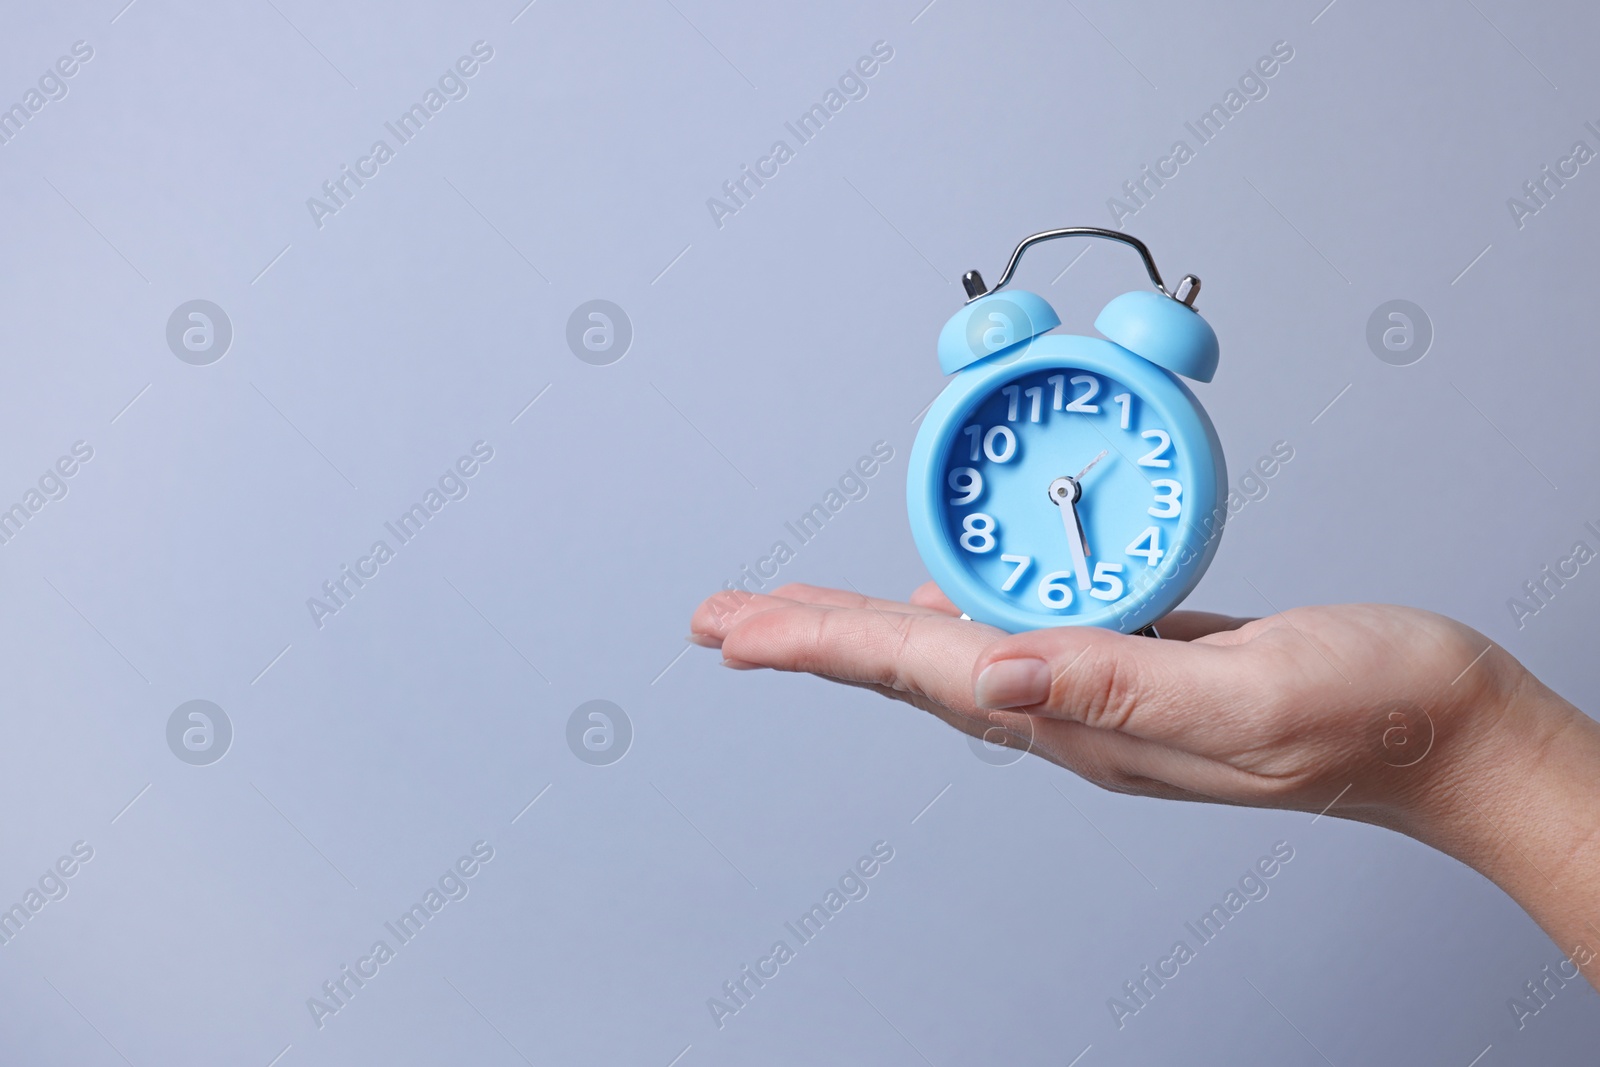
[1388, 715]
[1381, 713]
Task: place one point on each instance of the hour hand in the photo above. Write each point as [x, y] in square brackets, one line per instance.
[1065, 493]
[1104, 452]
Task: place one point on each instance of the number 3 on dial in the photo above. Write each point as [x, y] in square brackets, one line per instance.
[1169, 498]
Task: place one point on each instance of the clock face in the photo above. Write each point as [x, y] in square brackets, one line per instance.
[1069, 493]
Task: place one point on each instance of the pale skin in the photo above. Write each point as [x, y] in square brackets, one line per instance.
[1382, 714]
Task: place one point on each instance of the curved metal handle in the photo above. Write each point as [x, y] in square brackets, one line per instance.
[1188, 289]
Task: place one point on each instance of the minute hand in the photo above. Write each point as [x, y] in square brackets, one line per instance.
[1065, 493]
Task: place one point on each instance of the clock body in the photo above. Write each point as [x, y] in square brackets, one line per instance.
[1151, 502]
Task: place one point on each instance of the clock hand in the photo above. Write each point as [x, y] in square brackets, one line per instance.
[1103, 453]
[1065, 493]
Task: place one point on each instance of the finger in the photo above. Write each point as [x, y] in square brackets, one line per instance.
[929, 595]
[1113, 761]
[1126, 764]
[928, 660]
[1189, 625]
[718, 614]
[973, 723]
[1005, 728]
[1170, 691]
[841, 598]
[928, 655]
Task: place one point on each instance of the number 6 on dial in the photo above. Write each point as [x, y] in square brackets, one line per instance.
[1054, 590]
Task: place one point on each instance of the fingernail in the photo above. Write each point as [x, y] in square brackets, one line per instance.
[1013, 683]
[703, 641]
[740, 665]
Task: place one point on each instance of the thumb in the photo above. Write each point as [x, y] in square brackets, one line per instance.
[1168, 691]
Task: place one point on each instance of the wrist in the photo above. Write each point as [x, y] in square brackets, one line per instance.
[1518, 800]
[1498, 771]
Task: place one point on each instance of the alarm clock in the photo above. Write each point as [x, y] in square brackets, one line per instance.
[1065, 480]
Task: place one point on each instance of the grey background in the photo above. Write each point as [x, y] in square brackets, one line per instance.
[767, 356]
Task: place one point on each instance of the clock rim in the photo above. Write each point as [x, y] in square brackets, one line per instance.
[1186, 419]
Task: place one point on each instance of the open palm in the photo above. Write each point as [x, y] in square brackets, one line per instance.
[1362, 703]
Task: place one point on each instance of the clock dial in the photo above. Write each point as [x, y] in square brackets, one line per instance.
[1064, 492]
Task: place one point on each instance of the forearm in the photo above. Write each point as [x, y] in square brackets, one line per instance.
[1523, 808]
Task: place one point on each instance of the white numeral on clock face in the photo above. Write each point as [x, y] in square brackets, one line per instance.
[1148, 545]
[1021, 563]
[1081, 401]
[1153, 458]
[978, 532]
[1013, 395]
[1054, 592]
[999, 444]
[1106, 574]
[1169, 498]
[967, 482]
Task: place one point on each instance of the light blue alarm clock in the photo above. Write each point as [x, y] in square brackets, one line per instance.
[1062, 480]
